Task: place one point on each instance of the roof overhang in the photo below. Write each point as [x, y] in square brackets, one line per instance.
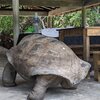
[47, 3]
[47, 7]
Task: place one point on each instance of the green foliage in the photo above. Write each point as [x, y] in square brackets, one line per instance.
[6, 24]
[30, 29]
[75, 18]
[71, 19]
[93, 16]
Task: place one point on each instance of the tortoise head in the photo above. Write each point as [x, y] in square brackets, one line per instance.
[85, 67]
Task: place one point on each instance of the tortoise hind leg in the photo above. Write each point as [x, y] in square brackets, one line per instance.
[9, 76]
[41, 85]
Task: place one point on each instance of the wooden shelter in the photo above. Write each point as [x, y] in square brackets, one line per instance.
[44, 8]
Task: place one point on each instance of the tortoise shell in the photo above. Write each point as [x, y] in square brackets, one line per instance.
[40, 55]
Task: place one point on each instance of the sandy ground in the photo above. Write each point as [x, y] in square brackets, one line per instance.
[87, 90]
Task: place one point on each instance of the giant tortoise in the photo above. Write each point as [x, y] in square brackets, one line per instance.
[45, 60]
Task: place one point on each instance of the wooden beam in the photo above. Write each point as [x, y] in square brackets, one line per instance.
[48, 3]
[91, 2]
[63, 10]
[15, 4]
[22, 13]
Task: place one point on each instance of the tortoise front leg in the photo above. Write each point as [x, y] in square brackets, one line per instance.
[9, 76]
[41, 85]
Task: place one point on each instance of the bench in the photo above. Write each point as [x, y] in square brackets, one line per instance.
[76, 44]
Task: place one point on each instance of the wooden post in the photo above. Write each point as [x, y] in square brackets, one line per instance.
[83, 17]
[15, 4]
[86, 45]
[86, 40]
[49, 22]
[96, 64]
